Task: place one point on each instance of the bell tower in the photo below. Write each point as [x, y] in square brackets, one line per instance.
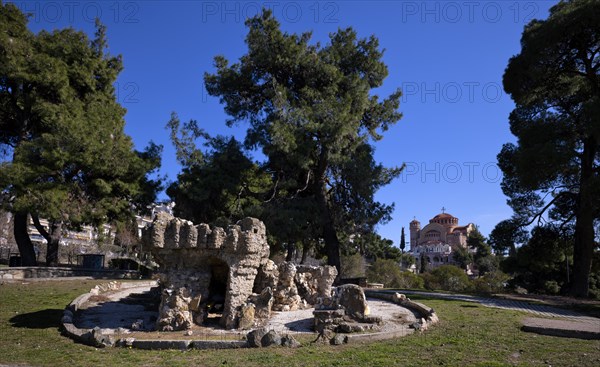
[415, 229]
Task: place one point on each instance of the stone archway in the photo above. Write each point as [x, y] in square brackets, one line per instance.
[217, 289]
[202, 264]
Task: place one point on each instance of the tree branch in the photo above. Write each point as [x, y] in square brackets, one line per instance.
[40, 228]
[538, 216]
[274, 188]
[305, 185]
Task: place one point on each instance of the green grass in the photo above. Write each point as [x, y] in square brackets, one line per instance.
[468, 335]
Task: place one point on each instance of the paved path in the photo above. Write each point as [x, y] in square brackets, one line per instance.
[536, 309]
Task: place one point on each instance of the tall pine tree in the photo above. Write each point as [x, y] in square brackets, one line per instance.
[555, 164]
[61, 124]
[311, 110]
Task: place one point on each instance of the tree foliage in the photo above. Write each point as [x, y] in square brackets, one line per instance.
[506, 235]
[388, 273]
[448, 278]
[71, 161]
[462, 256]
[554, 166]
[310, 109]
[482, 256]
[402, 241]
[220, 185]
[546, 257]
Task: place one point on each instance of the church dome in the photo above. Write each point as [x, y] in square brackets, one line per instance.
[445, 219]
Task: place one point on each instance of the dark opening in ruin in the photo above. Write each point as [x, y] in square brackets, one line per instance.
[217, 290]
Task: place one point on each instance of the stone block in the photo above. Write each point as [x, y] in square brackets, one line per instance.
[204, 232]
[271, 338]
[246, 320]
[255, 336]
[161, 344]
[188, 235]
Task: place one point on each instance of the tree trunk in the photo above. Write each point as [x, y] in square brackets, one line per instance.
[53, 238]
[584, 225]
[305, 250]
[332, 243]
[53, 244]
[23, 241]
[512, 251]
[291, 251]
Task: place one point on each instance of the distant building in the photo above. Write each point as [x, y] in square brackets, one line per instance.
[438, 239]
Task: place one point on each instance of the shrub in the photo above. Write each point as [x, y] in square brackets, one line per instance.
[406, 279]
[551, 287]
[448, 278]
[430, 281]
[352, 266]
[389, 273]
[493, 282]
[594, 285]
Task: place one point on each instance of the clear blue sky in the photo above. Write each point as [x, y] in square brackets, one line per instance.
[447, 56]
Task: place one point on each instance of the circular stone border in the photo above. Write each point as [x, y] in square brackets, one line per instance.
[97, 338]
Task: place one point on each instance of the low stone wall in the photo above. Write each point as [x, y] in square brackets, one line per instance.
[59, 272]
[427, 314]
[98, 338]
[91, 336]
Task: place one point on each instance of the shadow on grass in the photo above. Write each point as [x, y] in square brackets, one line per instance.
[44, 319]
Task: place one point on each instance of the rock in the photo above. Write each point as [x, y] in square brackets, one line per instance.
[125, 342]
[263, 303]
[137, 325]
[327, 319]
[314, 282]
[255, 336]
[286, 295]
[174, 313]
[101, 338]
[154, 236]
[289, 341]
[416, 326]
[66, 319]
[267, 277]
[398, 298]
[172, 233]
[352, 298]
[194, 304]
[246, 320]
[270, 338]
[188, 333]
[325, 336]
[339, 339]
[354, 327]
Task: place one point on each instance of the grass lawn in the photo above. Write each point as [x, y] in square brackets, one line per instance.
[468, 335]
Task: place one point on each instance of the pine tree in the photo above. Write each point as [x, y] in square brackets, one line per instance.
[72, 162]
[310, 109]
[402, 241]
[554, 166]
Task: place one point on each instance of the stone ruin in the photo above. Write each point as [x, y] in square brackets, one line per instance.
[210, 274]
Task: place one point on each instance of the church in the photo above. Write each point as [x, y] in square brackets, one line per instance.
[437, 240]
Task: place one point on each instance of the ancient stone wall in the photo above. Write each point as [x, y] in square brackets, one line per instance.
[206, 271]
[204, 268]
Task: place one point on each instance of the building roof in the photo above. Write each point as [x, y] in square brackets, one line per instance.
[443, 216]
[461, 228]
